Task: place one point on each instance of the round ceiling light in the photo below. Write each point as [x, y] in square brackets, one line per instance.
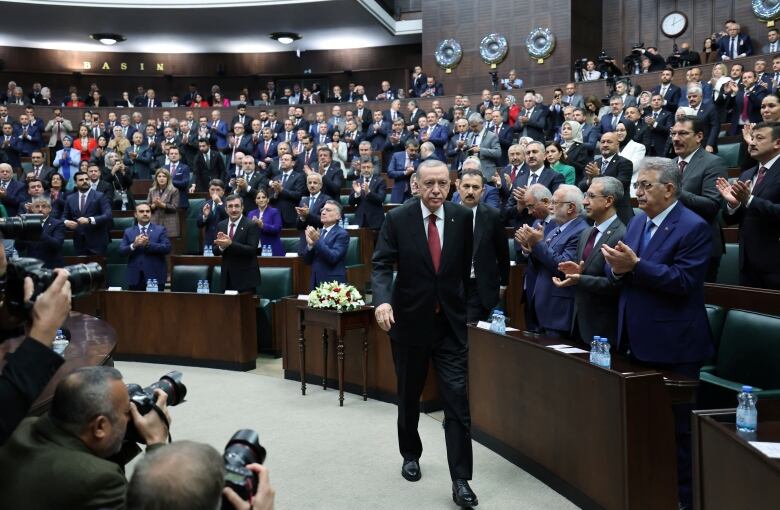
[108, 39]
[285, 37]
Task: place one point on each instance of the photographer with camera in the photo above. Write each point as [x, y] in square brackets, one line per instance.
[28, 369]
[193, 476]
[85, 427]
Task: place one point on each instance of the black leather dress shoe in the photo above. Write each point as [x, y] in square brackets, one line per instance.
[462, 494]
[411, 470]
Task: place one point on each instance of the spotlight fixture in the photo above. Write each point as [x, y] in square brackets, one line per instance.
[108, 39]
[285, 37]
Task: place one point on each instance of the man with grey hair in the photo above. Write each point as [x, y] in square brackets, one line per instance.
[84, 427]
[484, 144]
[707, 114]
[547, 246]
[458, 145]
[596, 296]
[48, 247]
[533, 119]
[661, 265]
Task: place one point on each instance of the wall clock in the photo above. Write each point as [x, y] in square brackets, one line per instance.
[674, 24]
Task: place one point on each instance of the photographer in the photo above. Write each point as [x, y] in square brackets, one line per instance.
[190, 476]
[29, 368]
[84, 427]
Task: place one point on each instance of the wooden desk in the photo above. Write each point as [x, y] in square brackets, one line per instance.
[340, 323]
[299, 284]
[91, 344]
[728, 473]
[744, 298]
[183, 328]
[603, 438]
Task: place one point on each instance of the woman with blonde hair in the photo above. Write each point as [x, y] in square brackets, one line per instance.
[163, 198]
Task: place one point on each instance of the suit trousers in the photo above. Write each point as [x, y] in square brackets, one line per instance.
[475, 310]
[749, 276]
[450, 360]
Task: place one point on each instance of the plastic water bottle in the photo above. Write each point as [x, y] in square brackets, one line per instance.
[155, 288]
[206, 289]
[13, 254]
[207, 252]
[149, 285]
[605, 358]
[200, 287]
[266, 251]
[345, 222]
[497, 322]
[747, 414]
[595, 349]
[60, 343]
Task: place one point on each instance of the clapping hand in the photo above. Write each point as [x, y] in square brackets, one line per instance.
[621, 258]
[572, 271]
[734, 194]
[592, 169]
[222, 240]
[356, 187]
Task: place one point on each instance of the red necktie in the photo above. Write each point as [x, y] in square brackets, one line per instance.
[232, 230]
[589, 245]
[435, 248]
[266, 147]
[682, 164]
[759, 178]
[513, 173]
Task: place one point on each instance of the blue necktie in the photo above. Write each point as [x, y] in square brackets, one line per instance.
[647, 235]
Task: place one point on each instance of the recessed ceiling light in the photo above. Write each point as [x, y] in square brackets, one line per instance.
[108, 39]
[285, 37]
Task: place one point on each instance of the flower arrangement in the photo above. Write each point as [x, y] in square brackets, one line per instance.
[335, 295]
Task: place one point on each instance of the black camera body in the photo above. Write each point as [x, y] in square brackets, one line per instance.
[144, 398]
[494, 80]
[242, 449]
[25, 227]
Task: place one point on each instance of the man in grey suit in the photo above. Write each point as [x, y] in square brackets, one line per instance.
[57, 128]
[484, 144]
[571, 97]
[700, 170]
[596, 298]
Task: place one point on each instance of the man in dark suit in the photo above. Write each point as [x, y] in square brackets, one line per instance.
[612, 165]
[48, 247]
[660, 122]
[596, 295]
[734, 45]
[240, 141]
[286, 191]
[430, 243]
[504, 178]
[458, 146]
[414, 115]
[218, 131]
[148, 101]
[488, 194]
[180, 176]
[754, 204]
[504, 133]
[547, 246]
[668, 90]
[708, 117]
[394, 112]
[610, 121]
[363, 116]
[490, 267]
[88, 214]
[532, 121]
[11, 191]
[331, 172]
[242, 118]
[39, 168]
[376, 132]
[213, 212]
[237, 240]
[247, 181]
[368, 196]
[78, 445]
[209, 165]
[29, 136]
[139, 158]
[310, 207]
[744, 101]
[700, 171]
[146, 246]
[326, 249]
[661, 264]
[401, 167]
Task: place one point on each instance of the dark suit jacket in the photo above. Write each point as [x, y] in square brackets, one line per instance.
[736, 102]
[536, 125]
[240, 270]
[369, 208]
[491, 255]
[661, 304]
[313, 218]
[332, 179]
[181, 181]
[622, 169]
[395, 171]
[215, 169]
[327, 256]
[606, 122]
[672, 97]
[659, 132]
[414, 117]
[743, 42]
[49, 247]
[149, 259]
[209, 225]
[418, 288]
[596, 295]
[709, 115]
[15, 192]
[514, 218]
[700, 195]
[490, 197]
[90, 239]
[289, 197]
[759, 228]
[378, 137]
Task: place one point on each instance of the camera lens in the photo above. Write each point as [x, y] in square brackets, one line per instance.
[171, 384]
[25, 227]
[84, 278]
[244, 448]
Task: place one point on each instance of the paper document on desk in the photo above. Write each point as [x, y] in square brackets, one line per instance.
[566, 349]
[771, 450]
[486, 325]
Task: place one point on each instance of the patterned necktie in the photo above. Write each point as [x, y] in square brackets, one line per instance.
[533, 179]
[682, 164]
[759, 178]
[284, 179]
[589, 245]
[143, 230]
[232, 230]
[82, 202]
[604, 165]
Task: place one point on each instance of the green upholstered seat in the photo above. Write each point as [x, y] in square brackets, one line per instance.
[344, 199]
[716, 316]
[116, 275]
[119, 223]
[113, 256]
[215, 283]
[184, 278]
[68, 250]
[730, 154]
[191, 225]
[728, 272]
[291, 244]
[350, 218]
[512, 250]
[353, 253]
[275, 283]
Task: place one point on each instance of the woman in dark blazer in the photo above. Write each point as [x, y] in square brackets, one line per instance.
[269, 221]
[95, 101]
[576, 153]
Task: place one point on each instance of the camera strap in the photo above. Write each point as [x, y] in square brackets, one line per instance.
[164, 419]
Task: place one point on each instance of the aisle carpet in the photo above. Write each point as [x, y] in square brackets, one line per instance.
[321, 456]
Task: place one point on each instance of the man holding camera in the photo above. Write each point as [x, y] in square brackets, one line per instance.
[76, 439]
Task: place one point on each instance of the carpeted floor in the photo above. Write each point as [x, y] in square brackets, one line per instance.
[324, 457]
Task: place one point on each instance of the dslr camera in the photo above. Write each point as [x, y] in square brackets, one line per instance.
[242, 449]
[494, 80]
[144, 399]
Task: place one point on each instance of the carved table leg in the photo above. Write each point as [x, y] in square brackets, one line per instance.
[340, 351]
[365, 364]
[302, 349]
[325, 359]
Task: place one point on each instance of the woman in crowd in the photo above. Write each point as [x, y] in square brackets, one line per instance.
[513, 109]
[557, 160]
[126, 101]
[84, 143]
[630, 149]
[95, 101]
[575, 151]
[199, 102]
[339, 149]
[264, 101]
[163, 198]
[643, 101]
[709, 52]
[718, 78]
[100, 150]
[592, 105]
[119, 143]
[57, 194]
[67, 159]
[269, 221]
[45, 99]
[74, 101]
[219, 101]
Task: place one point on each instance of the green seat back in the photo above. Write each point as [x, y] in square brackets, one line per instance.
[215, 285]
[68, 250]
[730, 154]
[350, 218]
[512, 251]
[387, 198]
[275, 283]
[116, 275]
[185, 278]
[716, 316]
[122, 223]
[353, 253]
[728, 272]
[291, 244]
[190, 227]
[344, 199]
[750, 349]
[113, 256]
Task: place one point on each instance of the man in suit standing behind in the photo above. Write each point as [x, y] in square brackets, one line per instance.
[286, 191]
[88, 213]
[49, 247]
[237, 240]
[326, 249]
[533, 119]
[484, 144]
[368, 196]
[209, 165]
[668, 90]
[146, 245]
[612, 165]
[213, 212]
[753, 202]
[661, 264]
[425, 314]
[402, 166]
[596, 296]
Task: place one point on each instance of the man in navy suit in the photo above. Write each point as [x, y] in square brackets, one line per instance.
[488, 194]
[744, 101]
[311, 206]
[146, 246]
[331, 172]
[668, 90]
[325, 250]
[546, 248]
[213, 212]
[12, 192]
[402, 166]
[377, 131]
[218, 131]
[532, 121]
[610, 120]
[49, 247]
[660, 122]
[286, 191]
[88, 213]
[734, 45]
[266, 149]
[661, 264]
[29, 136]
[435, 133]
[708, 116]
[612, 164]
[180, 176]
[368, 196]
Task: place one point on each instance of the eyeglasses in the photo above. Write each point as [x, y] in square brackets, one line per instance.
[591, 196]
[644, 186]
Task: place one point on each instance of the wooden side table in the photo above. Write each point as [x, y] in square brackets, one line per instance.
[339, 323]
